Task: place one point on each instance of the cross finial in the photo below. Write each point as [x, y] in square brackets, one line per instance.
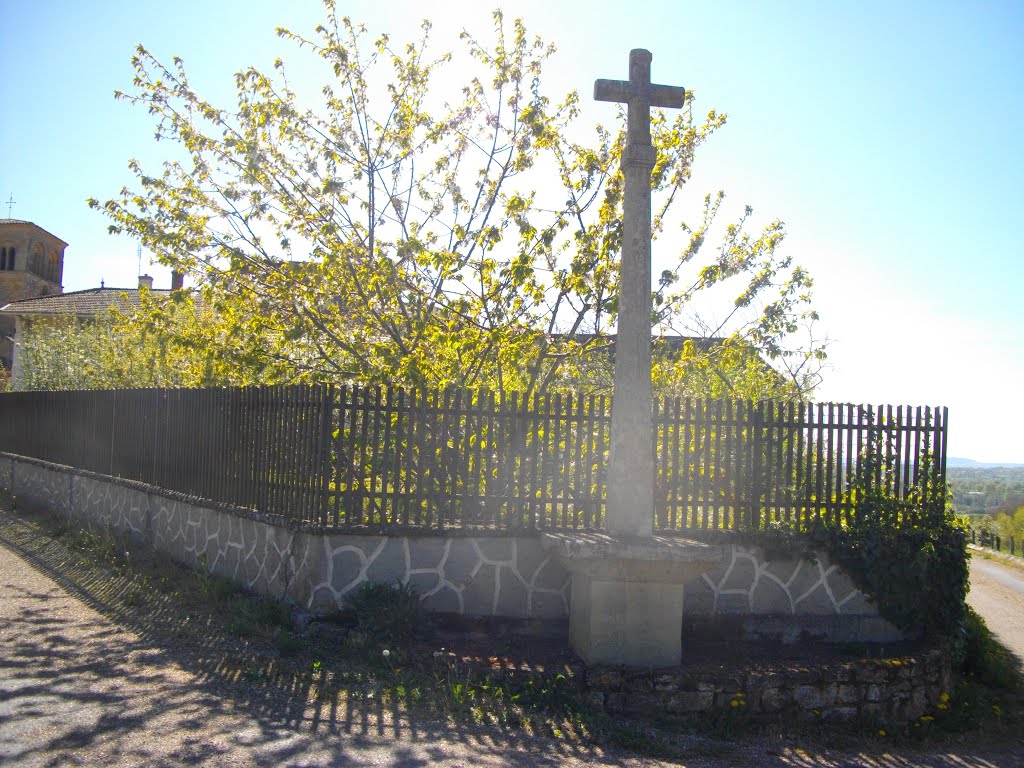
[10, 203]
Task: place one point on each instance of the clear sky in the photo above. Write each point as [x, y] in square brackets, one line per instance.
[887, 135]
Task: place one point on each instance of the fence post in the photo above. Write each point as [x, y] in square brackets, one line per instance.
[754, 413]
[325, 395]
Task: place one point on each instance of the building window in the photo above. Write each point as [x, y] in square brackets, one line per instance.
[3, 259]
[6, 259]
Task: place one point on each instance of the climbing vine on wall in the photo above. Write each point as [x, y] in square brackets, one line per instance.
[908, 554]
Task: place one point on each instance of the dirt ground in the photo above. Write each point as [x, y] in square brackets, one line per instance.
[81, 686]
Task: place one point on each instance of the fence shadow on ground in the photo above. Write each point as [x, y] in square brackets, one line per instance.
[177, 689]
[171, 651]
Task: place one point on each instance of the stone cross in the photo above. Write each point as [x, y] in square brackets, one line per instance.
[631, 465]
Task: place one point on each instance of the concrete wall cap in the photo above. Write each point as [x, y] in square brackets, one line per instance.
[586, 545]
[640, 560]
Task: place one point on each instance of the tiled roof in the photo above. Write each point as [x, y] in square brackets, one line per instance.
[31, 224]
[87, 303]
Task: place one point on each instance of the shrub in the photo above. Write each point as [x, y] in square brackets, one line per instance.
[908, 554]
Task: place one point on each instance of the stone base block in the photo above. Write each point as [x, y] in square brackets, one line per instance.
[626, 604]
[622, 622]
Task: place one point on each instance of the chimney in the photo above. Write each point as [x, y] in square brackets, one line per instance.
[145, 281]
[177, 280]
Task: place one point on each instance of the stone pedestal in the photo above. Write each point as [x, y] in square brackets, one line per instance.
[626, 605]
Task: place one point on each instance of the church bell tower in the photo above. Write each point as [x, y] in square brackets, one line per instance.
[31, 265]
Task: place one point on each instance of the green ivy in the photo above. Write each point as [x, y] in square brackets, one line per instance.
[908, 554]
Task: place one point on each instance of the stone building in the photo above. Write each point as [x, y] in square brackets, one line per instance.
[31, 276]
[31, 265]
[83, 305]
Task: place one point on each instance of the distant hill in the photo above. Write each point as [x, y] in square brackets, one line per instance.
[954, 461]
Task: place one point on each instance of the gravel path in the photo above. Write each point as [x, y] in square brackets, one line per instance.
[79, 689]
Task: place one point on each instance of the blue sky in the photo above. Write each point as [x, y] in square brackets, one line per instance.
[886, 135]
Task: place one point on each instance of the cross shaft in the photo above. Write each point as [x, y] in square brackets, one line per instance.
[630, 510]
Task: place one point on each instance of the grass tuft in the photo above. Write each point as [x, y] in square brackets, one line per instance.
[985, 659]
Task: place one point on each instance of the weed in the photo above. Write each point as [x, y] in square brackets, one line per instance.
[241, 626]
[386, 612]
[212, 586]
[105, 548]
[273, 612]
[552, 694]
[286, 643]
[251, 673]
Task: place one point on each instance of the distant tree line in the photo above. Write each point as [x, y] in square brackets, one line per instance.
[981, 491]
[993, 497]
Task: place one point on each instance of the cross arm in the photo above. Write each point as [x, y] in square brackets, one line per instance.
[666, 96]
[611, 90]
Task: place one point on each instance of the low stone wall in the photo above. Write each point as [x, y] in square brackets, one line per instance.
[882, 690]
[456, 572]
[783, 600]
[469, 575]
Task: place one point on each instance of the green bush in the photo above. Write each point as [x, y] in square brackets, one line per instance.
[907, 553]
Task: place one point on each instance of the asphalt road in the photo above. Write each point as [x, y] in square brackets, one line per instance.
[79, 689]
[1011, 578]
